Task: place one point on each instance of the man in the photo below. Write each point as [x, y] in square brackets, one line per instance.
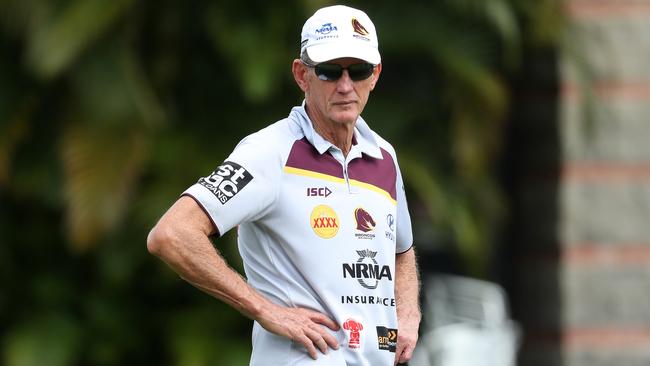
[323, 226]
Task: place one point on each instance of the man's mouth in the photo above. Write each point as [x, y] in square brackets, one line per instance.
[344, 102]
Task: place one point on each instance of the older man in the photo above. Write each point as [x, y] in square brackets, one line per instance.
[323, 225]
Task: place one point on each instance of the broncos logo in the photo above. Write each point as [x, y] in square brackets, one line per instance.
[358, 28]
[365, 223]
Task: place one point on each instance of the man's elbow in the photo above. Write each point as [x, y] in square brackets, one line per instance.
[159, 240]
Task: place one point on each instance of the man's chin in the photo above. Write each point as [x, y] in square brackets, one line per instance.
[345, 117]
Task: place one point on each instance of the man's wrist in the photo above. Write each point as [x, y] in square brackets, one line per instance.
[257, 307]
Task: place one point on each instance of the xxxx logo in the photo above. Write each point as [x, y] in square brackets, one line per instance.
[324, 221]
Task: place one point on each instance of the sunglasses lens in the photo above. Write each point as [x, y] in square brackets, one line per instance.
[360, 71]
[333, 72]
[328, 72]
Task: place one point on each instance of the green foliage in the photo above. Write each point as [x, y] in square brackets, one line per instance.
[110, 109]
[43, 340]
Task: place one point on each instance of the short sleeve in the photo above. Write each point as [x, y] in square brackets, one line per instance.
[241, 189]
[404, 232]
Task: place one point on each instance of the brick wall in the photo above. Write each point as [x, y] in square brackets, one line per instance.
[581, 184]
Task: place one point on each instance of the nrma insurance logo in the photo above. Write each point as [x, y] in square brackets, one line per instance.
[366, 270]
[326, 28]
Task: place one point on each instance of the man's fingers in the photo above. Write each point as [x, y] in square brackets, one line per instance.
[309, 328]
[317, 338]
[330, 339]
[407, 353]
[319, 318]
[403, 352]
[309, 345]
[398, 353]
[324, 320]
[404, 356]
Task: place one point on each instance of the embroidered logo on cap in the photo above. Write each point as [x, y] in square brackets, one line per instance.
[326, 28]
[358, 28]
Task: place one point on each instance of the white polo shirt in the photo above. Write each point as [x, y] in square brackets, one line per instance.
[316, 230]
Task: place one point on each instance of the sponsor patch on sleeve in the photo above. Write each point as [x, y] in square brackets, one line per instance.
[226, 181]
[387, 338]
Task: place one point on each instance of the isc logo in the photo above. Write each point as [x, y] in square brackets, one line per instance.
[318, 192]
[226, 181]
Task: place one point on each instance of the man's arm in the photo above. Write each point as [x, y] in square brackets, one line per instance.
[407, 293]
[180, 239]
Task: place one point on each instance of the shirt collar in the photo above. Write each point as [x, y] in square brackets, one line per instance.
[365, 138]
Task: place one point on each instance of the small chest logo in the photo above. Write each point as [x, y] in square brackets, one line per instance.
[387, 339]
[318, 192]
[324, 221]
[354, 328]
[390, 221]
[365, 224]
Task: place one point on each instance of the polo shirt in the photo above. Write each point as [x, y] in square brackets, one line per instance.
[316, 230]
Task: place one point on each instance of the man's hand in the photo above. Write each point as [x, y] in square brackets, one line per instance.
[407, 337]
[302, 326]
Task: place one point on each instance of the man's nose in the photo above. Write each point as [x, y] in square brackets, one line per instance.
[344, 83]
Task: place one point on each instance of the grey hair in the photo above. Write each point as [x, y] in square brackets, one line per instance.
[304, 57]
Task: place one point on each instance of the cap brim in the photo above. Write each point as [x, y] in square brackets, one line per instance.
[327, 52]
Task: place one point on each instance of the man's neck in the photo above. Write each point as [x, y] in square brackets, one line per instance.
[339, 134]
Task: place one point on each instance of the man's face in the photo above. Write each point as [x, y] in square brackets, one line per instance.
[338, 101]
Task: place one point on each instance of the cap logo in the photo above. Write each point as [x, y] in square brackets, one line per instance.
[326, 28]
[358, 28]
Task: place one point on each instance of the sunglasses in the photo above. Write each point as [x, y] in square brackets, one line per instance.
[333, 72]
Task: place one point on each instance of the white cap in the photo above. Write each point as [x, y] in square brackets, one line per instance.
[340, 31]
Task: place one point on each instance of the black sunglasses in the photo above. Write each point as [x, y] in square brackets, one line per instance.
[333, 72]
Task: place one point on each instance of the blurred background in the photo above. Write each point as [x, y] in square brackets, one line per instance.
[521, 128]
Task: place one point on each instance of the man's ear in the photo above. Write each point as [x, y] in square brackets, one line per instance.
[375, 76]
[300, 71]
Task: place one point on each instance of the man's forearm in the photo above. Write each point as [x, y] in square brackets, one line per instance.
[407, 293]
[201, 265]
[181, 240]
[407, 287]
